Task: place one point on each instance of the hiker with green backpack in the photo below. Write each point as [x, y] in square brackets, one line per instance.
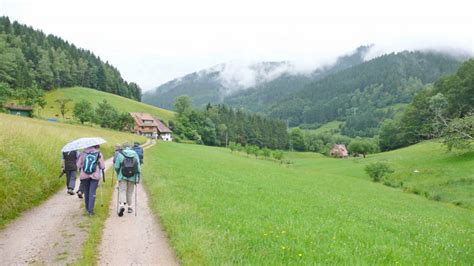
[127, 167]
[91, 162]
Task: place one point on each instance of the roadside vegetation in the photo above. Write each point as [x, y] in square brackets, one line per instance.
[30, 151]
[219, 208]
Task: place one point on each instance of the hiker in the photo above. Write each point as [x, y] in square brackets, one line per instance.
[118, 149]
[68, 166]
[91, 162]
[128, 174]
[139, 150]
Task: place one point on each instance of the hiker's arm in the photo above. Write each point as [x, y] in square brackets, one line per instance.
[139, 167]
[117, 163]
[80, 161]
[62, 161]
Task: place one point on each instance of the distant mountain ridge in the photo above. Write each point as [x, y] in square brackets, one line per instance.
[246, 86]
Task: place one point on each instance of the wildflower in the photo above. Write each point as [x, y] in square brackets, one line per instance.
[300, 254]
[282, 247]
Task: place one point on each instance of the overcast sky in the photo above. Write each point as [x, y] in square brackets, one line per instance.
[152, 42]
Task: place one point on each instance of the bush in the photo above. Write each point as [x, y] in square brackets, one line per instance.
[278, 155]
[232, 146]
[377, 170]
[266, 152]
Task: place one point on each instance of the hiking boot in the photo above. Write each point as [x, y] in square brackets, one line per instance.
[70, 192]
[122, 209]
[79, 194]
[130, 210]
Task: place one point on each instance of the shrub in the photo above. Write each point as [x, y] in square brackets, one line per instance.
[232, 146]
[278, 155]
[377, 170]
[266, 152]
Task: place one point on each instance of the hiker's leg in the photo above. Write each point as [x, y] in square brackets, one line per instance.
[130, 189]
[122, 192]
[86, 184]
[81, 186]
[92, 189]
[71, 177]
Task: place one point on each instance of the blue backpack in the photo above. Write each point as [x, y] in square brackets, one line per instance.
[90, 162]
[139, 151]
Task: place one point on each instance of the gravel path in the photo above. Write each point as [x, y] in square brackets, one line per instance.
[134, 239]
[52, 233]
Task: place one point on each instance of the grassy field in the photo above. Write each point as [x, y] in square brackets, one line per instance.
[94, 96]
[223, 208]
[30, 159]
[328, 128]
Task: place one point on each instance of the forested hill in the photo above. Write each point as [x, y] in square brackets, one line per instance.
[253, 87]
[28, 57]
[360, 90]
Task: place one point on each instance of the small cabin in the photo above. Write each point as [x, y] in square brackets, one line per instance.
[20, 110]
[339, 151]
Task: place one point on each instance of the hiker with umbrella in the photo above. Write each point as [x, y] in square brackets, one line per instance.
[91, 164]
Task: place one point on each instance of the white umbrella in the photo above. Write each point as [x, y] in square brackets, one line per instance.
[82, 143]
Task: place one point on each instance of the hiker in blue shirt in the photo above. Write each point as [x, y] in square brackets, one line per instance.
[127, 166]
[139, 150]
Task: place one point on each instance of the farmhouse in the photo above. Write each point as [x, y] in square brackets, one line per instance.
[148, 126]
[20, 110]
[339, 150]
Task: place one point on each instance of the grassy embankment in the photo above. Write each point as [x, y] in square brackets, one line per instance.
[29, 159]
[77, 94]
[222, 208]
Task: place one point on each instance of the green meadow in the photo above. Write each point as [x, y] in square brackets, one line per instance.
[221, 208]
[77, 94]
[30, 151]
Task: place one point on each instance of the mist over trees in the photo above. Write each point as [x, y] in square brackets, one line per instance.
[29, 58]
[354, 94]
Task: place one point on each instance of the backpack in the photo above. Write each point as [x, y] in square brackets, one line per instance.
[70, 159]
[129, 166]
[90, 162]
[139, 151]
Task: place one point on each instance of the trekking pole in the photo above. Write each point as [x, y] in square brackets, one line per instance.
[136, 191]
[112, 181]
[101, 196]
[101, 189]
[118, 191]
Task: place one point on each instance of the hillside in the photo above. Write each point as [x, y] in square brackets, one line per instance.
[358, 92]
[219, 207]
[253, 87]
[29, 57]
[77, 94]
[30, 155]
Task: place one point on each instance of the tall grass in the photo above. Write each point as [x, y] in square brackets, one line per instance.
[219, 209]
[30, 153]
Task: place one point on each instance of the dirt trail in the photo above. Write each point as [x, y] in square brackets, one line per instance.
[134, 239]
[52, 233]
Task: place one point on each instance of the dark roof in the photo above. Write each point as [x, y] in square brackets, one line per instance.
[19, 107]
[141, 117]
[161, 127]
